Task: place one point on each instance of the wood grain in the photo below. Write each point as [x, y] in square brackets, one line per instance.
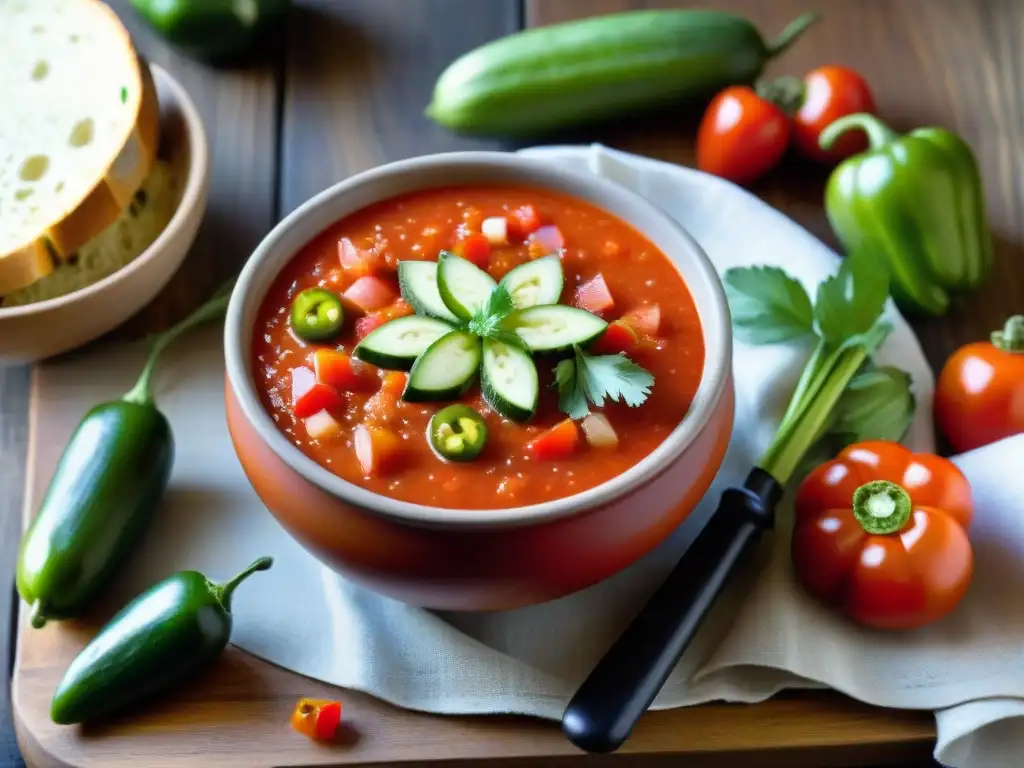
[954, 63]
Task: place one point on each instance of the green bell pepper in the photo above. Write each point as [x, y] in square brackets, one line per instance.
[213, 30]
[917, 199]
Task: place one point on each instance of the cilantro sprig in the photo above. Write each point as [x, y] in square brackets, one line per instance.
[487, 322]
[834, 396]
[585, 379]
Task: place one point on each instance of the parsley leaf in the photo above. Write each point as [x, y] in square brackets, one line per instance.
[487, 321]
[591, 379]
[848, 303]
[767, 305]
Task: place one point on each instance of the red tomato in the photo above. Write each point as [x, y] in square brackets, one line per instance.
[980, 393]
[336, 369]
[741, 136]
[892, 554]
[370, 293]
[522, 222]
[830, 93]
[645, 320]
[320, 397]
[619, 336]
[475, 248]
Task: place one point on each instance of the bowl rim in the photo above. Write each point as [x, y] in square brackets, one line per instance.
[715, 376]
[191, 197]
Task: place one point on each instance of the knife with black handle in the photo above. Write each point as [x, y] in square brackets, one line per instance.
[602, 713]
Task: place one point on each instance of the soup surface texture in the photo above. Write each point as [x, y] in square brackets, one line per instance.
[363, 430]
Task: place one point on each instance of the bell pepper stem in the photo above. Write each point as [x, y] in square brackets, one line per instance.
[224, 591]
[879, 134]
[1011, 337]
[789, 35]
[881, 507]
[142, 392]
[37, 616]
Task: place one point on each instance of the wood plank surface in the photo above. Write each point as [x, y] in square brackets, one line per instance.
[349, 91]
[954, 63]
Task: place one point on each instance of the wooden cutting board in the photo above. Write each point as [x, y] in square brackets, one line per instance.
[236, 713]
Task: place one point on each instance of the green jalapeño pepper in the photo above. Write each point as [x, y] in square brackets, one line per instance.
[170, 631]
[457, 433]
[213, 30]
[104, 491]
[317, 315]
[917, 198]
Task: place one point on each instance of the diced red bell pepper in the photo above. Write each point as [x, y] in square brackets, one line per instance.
[357, 262]
[338, 370]
[320, 397]
[558, 442]
[316, 718]
[371, 293]
[523, 222]
[645, 320]
[618, 337]
[594, 296]
[378, 449]
[366, 325]
[475, 248]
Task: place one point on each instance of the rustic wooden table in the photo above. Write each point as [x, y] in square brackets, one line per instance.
[346, 89]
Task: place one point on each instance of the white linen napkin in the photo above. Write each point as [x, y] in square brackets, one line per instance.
[756, 642]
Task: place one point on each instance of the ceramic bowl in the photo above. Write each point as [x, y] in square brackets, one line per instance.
[479, 559]
[46, 328]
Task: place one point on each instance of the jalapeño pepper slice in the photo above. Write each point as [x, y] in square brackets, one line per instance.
[457, 433]
[317, 315]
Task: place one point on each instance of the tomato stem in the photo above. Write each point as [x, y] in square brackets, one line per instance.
[789, 35]
[1011, 337]
[787, 93]
[879, 134]
[881, 507]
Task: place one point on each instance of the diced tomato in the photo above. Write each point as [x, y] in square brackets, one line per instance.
[393, 382]
[645, 320]
[617, 337]
[320, 397]
[366, 325]
[475, 248]
[358, 262]
[382, 407]
[322, 425]
[400, 308]
[548, 239]
[371, 293]
[338, 370]
[522, 222]
[594, 296]
[378, 449]
[557, 443]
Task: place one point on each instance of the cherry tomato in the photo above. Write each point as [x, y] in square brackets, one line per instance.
[830, 93]
[980, 393]
[881, 533]
[741, 136]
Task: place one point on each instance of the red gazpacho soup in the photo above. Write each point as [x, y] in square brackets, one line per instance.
[478, 347]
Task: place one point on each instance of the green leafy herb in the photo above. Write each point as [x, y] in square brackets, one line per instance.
[487, 323]
[877, 405]
[767, 305]
[591, 379]
[848, 329]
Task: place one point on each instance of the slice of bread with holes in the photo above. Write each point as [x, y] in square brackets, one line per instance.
[79, 129]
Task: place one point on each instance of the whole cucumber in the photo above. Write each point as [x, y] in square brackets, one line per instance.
[582, 71]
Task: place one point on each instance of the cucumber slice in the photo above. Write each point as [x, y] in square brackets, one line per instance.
[445, 370]
[554, 328]
[398, 343]
[508, 380]
[535, 282]
[464, 287]
[417, 280]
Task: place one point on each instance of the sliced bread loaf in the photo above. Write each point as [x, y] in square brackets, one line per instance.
[79, 130]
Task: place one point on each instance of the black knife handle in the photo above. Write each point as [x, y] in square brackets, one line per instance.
[602, 713]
